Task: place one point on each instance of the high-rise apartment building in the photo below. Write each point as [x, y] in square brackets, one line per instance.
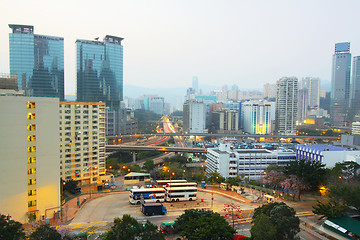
[340, 84]
[225, 120]
[82, 141]
[313, 86]
[269, 90]
[38, 62]
[194, 112]
[355, 90]
[100, 71]
[157, 105]
[30, 176]
[286, 105]
[256, 117]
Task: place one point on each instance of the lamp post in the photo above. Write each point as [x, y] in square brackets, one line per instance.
[183, 174]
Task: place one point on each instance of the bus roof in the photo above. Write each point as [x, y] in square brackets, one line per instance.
[180, 188]
[171, 181]
[181, 184]
[146, 189]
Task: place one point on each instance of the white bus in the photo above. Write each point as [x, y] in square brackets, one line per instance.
[185, 184]
[176, 194]
[149, 195]
[162, 183]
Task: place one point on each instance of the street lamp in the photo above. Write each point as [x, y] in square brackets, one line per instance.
[172, 174]
[183, 173]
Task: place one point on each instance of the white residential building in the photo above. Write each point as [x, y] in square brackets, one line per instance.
[30, 176]
[194, 114]
[256, 117]
[251, 163]
[82, 141]
[286, 105]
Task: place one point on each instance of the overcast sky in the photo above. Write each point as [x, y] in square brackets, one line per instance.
[167, 42]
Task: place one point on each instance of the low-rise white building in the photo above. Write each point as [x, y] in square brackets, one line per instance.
[251, 163]
[327, 154]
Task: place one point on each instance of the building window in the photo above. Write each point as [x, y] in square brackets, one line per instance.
[31, 160]
[31, 171]
[31, 181]
[32, 192]
[32, 203]
[30, 104]
[31, 127]
[31, 116]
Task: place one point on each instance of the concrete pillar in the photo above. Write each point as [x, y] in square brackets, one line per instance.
[134, 157]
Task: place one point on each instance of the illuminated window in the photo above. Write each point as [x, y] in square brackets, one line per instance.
[31, 181]
[31, 116]
[31, 159]
[31, 127]
[30, 104]
[31, 171]
[31, 138]
[32, 192]
[32, 203]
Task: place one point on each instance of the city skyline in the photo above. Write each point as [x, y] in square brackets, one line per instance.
[219, 43]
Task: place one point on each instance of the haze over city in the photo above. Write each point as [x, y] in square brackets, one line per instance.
[166, 43]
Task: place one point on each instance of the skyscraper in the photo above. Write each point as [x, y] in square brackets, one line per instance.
[286, 105]
[100, 71]
[355, 90]
[38, 62]
[340, 84]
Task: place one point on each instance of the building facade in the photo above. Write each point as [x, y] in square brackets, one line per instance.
[340, 84]
[225, 120]
[29, 157]
[286, 105]
[327, 154]
[355, 90]
[256, 117]
[251, 163]
[38, 62]
[82, 141]
[157, 105]
[100, 71]
[270, 90]
[355, 130]
[194, 115]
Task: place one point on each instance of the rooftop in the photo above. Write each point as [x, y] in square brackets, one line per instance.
[320, 148]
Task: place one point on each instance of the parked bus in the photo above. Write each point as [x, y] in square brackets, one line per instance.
[185, 184]
[176, 194]
[148, 194]
[162, 183]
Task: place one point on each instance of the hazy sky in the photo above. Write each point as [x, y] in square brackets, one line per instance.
[167, 42]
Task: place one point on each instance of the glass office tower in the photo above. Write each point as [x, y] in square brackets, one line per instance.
[340, 84]
[38, 62]
[100, 71]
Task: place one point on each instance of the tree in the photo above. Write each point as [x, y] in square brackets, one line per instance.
[149, 165]
[330, 209]
[10, 229]
[70, 186]
[349, 194]
[232, 182]
[311, 173]
[281, 216]
[263, 228]
[215, 177]
[274, 178]
[197, 224]
[128, 228]
[45, 232]
[294, 183]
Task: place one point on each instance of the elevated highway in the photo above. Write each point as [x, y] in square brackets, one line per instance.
[154, 148]
[219, 135]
